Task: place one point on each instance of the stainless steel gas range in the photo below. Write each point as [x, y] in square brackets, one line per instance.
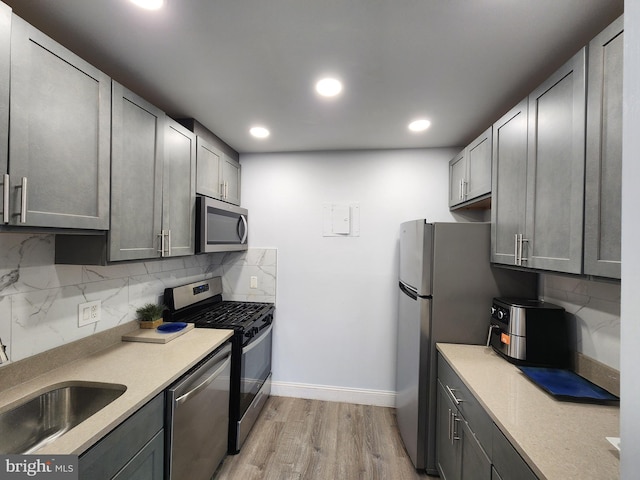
[201, 303]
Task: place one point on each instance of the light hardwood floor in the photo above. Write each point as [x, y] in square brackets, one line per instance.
[298, 439]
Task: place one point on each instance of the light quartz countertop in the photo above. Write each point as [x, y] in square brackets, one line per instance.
[559, 440]
[144, 368]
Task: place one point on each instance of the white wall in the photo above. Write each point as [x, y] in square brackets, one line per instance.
[630, 301]
[336, 297]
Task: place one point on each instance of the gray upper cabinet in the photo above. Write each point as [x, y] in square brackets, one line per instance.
[179, 190]
[470, 171]
[231, 180]
[508, 204]
[209, 165]
[479, 166]
[136, 190]
[153, 182]
[602, 227]
[59, 146]
[5, 68]
[555, 170]
[218, 175]
[457, 173]
[538, 175]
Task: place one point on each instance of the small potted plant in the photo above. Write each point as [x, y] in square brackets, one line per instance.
[150, 315]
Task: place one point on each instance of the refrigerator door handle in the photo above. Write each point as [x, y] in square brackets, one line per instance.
[408, 290]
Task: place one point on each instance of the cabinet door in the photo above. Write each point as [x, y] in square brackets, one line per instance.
[60, 132]
[447, 440]
[479, 166]
[602, 226]
[209, 160]
[509, 183]
[147, 464]
[457, 174]
[136, 192]
[179, 189]
[474, 462]
[5, 67]
[555, 172]
[231, 180]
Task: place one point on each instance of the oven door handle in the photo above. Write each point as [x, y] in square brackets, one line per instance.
[194, 391]
[257, 341]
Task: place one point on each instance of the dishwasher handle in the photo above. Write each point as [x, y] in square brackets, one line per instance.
[194, 391]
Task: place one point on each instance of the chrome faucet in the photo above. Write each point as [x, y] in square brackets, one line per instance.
[3, 354]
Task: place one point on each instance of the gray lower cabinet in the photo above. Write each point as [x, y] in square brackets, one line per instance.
[470, 172]
[447, 442]
[59, 145]
[218, 175]
[153, 182]
[602, 225]
[462, 426]
[506, 461]
[134, 450]
[538, 172]
[469, 446]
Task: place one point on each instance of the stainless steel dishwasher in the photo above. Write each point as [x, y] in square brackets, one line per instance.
[198, 418]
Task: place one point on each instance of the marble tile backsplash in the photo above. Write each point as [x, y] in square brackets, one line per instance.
[595, 306]
[39, 300]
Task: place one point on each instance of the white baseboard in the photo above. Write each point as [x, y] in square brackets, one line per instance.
[380, 398]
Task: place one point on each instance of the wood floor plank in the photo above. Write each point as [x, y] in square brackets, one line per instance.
[300, 439]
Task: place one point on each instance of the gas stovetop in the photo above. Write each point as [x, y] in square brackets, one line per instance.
[231, 314]
[201, 303]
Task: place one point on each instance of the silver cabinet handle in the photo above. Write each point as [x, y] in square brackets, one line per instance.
[207, 381]
[449, 422]
[226, 190]
[5, 196]
[161, 249]
[464, 189]
[169, 243]
[522, 240]
[456, 400]
[515, 253]
[454, 428]
[23, 200]
[460, 197]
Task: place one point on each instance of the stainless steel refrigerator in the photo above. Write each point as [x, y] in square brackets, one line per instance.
[446, 287]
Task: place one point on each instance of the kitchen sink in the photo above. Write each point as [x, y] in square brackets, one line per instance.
[41, 418]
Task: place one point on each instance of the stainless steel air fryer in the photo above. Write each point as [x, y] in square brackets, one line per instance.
[530, 332]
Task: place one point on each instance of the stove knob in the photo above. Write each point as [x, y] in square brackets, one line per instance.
[502, 314]
[493, 310]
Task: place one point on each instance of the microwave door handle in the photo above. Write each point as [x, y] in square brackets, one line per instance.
[246, 229]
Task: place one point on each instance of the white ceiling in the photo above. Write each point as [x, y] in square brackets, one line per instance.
[235, 63]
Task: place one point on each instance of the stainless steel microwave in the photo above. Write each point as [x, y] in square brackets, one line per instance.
[220, 226]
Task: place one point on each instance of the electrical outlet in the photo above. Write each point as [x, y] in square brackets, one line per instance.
[89, 313]
[254, 281]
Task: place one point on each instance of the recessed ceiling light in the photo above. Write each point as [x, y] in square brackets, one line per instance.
[329, 87]
[419, 125]
[149, 4]
[259, 132]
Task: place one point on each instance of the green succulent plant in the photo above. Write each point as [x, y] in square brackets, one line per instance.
[149, 312]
